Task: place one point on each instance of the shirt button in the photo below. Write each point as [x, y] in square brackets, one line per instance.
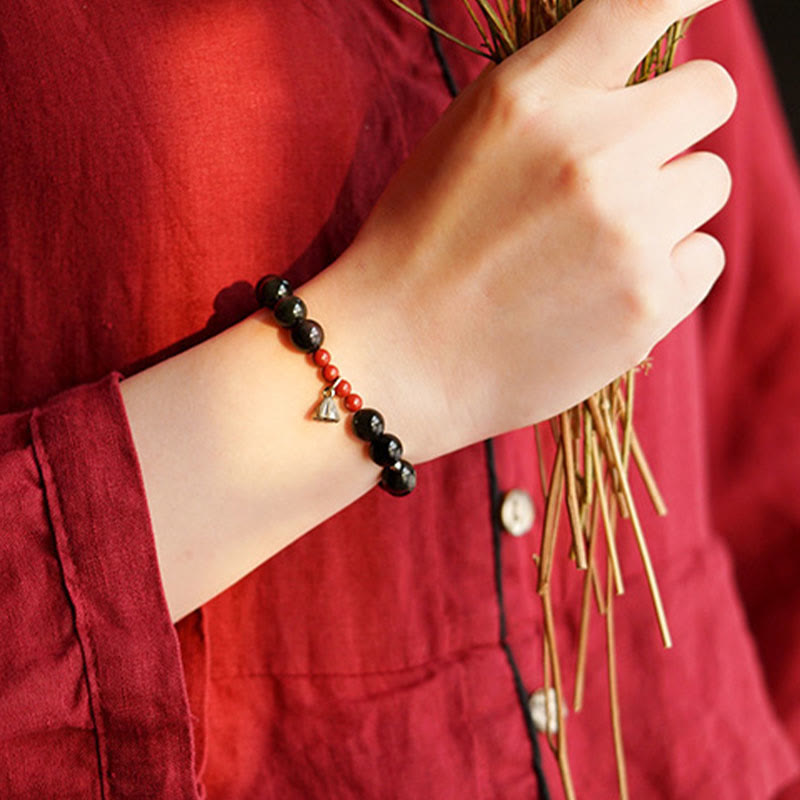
[517, 512]
[543, 708]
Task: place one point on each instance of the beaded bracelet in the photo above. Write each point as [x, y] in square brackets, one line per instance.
[398, 477]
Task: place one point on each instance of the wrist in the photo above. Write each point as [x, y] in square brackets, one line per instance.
[373, 333]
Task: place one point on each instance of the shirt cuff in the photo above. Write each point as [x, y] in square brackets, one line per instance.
[100, 520]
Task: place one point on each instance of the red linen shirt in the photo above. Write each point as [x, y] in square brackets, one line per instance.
[157, 158]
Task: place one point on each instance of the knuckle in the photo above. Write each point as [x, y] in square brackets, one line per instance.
[579, 180]
[624, 245]
[639, 305]
[575, 176]
[504, 100]
[618, 246]
[638, 296]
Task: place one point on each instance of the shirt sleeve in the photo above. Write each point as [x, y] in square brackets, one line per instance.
[752, 322]
[92, 697]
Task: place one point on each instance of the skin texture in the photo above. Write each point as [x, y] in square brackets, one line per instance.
[556, 265]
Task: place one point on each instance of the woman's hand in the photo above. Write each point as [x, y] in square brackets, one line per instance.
[541, 239]
[537, 244]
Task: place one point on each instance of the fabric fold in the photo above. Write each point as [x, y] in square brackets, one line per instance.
[98, 512]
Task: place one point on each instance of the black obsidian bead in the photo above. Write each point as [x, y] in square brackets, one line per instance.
[367, 424]
[385, 449]
[307, 335]
[272, 288]
[289, 311]
[399, 479]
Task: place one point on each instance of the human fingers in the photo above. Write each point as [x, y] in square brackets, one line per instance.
[677, 109]
[602, 41]
[691, 190]
[697, 262]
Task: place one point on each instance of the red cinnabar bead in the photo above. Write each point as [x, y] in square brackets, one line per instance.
[330, 373]
[343, 389]
[322, 357]
[353, 402]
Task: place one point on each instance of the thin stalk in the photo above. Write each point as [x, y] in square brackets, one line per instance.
[628, 410]
[647, 476]
[439, 30]
[608, 525]
[604, 436]
[586, 608]
[552, 516]
[495, 23]
[477, 22]
[641, 542]
[613, 693]
[540, 459]
[508, 26]
[572, 491]
[548, 685]
[561, 750]
[613, 395]
[588, 463]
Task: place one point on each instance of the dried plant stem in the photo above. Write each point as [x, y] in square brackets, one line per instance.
[588, 462]
[504, 45]
[608, 525]
[628, 413]
[641, 542]
[441, 31]
[586, 608]
[552, 516]
[644, 468]
[572, 490]
[540, 460]
[505, 21]
[647, 476]
[612, 395]
[561, 746]
[603, 427]
[593, 404]
[588, 498]
[613, 692]
[548, 685]
[481, 30]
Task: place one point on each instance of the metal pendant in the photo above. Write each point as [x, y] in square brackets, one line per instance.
[326, 410]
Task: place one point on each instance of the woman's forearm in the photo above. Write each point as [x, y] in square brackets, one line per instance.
[234, 467]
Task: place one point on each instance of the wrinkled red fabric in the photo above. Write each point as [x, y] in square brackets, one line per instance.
[157, 158]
